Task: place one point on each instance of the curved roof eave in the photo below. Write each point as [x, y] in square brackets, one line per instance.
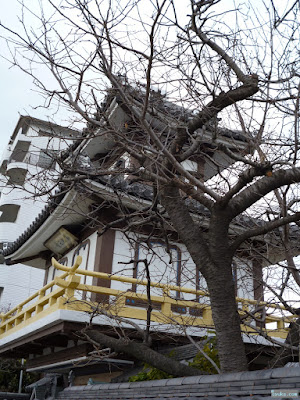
[71, 210]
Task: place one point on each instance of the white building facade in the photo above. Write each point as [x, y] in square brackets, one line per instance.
[31, 150]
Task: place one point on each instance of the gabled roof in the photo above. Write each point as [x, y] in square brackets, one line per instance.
[67, 209]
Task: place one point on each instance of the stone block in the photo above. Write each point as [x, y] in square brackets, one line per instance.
[210, 378]
[124, 385]
[285, 372]
[175, 381]
[159, 383]
[193, 380]
[291, 379]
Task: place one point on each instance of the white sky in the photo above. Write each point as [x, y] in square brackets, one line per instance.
[17, 91]
[16, 98]
[18, 95]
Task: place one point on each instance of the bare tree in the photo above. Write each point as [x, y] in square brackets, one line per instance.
[232, 74]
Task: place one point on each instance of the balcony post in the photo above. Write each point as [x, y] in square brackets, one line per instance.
[166, 305]
[72, 282]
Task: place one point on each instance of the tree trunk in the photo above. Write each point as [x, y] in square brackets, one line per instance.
[142, 353]
[212, 256]
[221, 288]
[226, 320]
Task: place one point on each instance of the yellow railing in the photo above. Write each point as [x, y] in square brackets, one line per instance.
[63, 293]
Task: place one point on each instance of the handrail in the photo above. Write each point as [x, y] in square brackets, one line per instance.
[158, 285]
[69, 281]
[33, 296]
[126, 279]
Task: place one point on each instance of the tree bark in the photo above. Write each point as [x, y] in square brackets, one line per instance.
[142, 353]
[226, 319]
[221, 288]
[213, 258]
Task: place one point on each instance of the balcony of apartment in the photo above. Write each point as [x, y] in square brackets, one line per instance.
[24, 155]
[16, 173]
[69, 298]
[19, 152]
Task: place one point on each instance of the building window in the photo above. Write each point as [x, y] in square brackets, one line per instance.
[16, 176]
[3, 246]
[20, 151]
[3, 167]
[46, 159]
[164, 264]
[9, 212]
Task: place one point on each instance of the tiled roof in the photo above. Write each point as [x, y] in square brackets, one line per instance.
[136, 190]
[253, 385]
[185, 352]
[139, 190]
[159, 106]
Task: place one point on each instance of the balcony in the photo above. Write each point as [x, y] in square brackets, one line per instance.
[66, 292]
[16, 171]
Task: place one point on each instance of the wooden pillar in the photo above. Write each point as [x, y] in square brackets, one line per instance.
[103, 262]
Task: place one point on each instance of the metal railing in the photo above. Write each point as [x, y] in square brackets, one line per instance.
[67, 292]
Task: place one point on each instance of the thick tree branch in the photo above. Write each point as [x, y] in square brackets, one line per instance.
[262, 187]
[222, 101]
[245, 178]
[261, 230]
[141, 352]
[181, 219]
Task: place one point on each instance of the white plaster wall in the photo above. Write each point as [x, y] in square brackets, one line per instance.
[36, 178]
[52, 273]
[189, 277]
[8, 231]
[123, 253]
[244, 279]
[163, 267]
[29, 210]
[87, 253]
[6, 154]
[19, 282]
[90, 261]
[190, 165]
[161, 270]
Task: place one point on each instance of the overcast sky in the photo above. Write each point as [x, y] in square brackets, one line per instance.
[18, 94]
